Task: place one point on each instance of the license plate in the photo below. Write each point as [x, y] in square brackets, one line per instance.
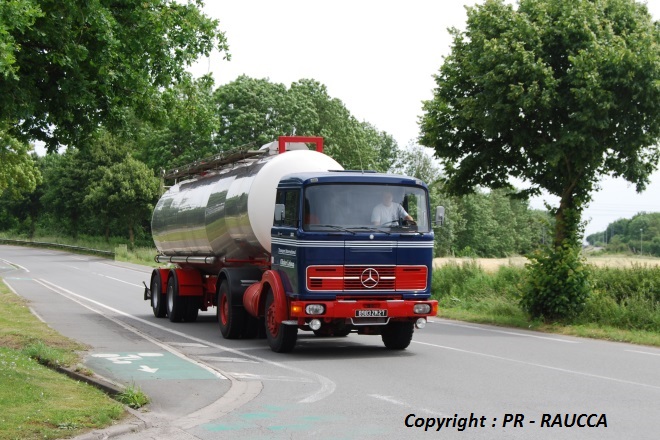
[370, 313]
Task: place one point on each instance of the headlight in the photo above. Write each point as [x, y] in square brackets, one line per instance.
[421, 309]
[315, 309]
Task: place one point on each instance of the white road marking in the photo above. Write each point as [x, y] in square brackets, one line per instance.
[263, 377]
[147, 369]
[59, 290]
[394, 401]
[505, 332]
[642, 352]
[548, 367]
[327, 387]
[121, 281]
[226, 359]
[105, 276]
[37, 315]
[187, 344]
[4, 280]
[15, 265]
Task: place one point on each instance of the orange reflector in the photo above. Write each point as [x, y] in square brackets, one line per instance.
[296, 310]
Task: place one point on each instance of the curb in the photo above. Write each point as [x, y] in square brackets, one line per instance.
[132, 426]
[97, 381]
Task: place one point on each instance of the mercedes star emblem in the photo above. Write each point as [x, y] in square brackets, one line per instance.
[370, 278]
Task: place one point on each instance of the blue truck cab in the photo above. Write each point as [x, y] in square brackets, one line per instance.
[354, 252]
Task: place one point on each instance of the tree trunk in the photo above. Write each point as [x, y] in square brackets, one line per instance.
[567, 221]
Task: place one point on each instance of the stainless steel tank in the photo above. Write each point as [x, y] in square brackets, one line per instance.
[229, 213]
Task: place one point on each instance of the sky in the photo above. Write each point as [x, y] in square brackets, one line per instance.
[378, 58]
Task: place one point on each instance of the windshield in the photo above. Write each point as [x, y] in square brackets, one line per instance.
[386, 208]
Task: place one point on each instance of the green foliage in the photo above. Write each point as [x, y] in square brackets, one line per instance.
[641, 233]
[133, 397]
[468, 281]
[558, 284]
[555, 93]
[181, 128]
[49, 356]
[255, 111]
[18, 172]
[73, 64]
[125, 191]
[624, 306]
[37, 402]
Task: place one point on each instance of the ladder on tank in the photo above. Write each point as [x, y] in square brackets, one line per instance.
[222, 160]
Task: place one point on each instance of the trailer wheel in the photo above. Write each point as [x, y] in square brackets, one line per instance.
[157, 302]
[230, 318]
[397, 335]
[281, 337]
[175, 304]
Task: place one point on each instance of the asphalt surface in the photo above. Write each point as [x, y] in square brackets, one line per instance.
[472, 381]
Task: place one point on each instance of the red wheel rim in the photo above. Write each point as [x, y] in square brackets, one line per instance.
[224, 310]
[273, 326]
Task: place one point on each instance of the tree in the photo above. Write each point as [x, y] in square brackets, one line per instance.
[555, 93]
[251, 111]
[67, 179]
[126, 190]
[255, 111]
[69, 65]
[181, 128]
[18, 171]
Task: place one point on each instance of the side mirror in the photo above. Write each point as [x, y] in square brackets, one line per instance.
[440, 216]
[279, 213]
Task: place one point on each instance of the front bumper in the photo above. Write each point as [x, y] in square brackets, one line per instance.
[348, 309]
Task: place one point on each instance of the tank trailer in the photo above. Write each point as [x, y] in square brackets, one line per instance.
[282, 240]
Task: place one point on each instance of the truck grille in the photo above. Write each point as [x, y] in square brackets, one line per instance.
[366, 278]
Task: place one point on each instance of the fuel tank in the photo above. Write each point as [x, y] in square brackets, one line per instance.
[229, 213]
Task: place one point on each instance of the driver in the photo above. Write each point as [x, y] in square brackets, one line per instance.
[388, 212]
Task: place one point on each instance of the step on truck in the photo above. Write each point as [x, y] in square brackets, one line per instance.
[282, 239]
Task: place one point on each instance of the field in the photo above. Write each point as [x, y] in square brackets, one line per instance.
[492, 264]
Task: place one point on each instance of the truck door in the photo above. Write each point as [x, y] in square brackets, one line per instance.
[284, 247]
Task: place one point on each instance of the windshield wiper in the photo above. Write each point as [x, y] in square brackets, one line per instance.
[368, 228]
[338, 228]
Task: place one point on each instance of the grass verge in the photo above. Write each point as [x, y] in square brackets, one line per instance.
[37, 402]
[624, 305]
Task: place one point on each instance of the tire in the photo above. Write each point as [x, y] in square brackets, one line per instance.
[175, 304]
[281, 338]
[397, 335]
[158, 304]
[230, 318]
[192, 309]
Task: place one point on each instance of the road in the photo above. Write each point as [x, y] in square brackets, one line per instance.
[454, 375]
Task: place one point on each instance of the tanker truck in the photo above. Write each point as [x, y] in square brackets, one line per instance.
[282, 240]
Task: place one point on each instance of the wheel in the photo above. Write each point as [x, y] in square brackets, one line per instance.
[175, 304]
[157, 303]
[281, 338]
[231, 319]
[397, 335]
[192, 309]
